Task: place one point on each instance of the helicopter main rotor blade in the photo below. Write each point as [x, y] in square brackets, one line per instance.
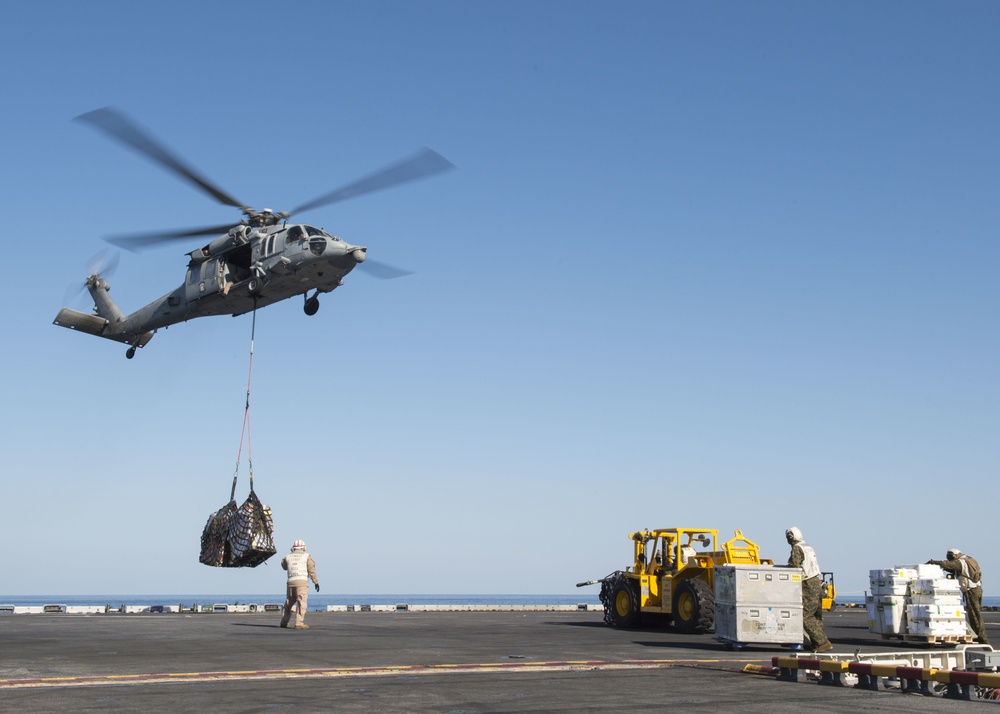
[139, 241]
[118, 127]
[427, 163]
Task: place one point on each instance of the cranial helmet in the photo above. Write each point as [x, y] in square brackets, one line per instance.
[954, 553]
[299, 545]
[793, 535]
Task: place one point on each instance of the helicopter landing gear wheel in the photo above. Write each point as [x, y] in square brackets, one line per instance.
[130, 353]
[312, 306]
[253, 287]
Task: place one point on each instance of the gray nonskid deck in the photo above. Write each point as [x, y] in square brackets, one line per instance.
[406, 661]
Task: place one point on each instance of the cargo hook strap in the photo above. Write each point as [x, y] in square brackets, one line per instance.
[246, 416]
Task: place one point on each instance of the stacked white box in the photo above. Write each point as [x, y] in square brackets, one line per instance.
[885, 614]
[891, 581]
[915, 600]
[928, 571]
[772, 624]
[758, 603]
[933, 612]
[931, 599]
[936, 608]
[758, 585]
[926, 628]
[936, 587]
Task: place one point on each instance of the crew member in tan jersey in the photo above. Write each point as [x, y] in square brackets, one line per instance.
[301, 569]
[970, 579]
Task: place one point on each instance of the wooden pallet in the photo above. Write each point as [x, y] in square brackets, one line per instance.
[932, 639]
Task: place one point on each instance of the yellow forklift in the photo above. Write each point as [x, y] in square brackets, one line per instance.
[829, 592]
[672, 578]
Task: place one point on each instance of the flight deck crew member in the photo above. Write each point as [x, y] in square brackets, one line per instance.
[970, 580]
[301, 569]
[803, 556]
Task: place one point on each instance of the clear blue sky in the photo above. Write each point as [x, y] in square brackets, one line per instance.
[717, 264]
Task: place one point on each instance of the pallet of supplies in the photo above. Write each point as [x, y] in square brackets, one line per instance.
[240, 537]
[916, 602]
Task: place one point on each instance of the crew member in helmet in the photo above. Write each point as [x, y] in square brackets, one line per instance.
[970, 580]
[301, 569]
[803, 556]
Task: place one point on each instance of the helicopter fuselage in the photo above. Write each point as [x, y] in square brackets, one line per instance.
[248, 268]
[256, 263]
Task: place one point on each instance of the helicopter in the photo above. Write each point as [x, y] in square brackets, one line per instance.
[258, 261]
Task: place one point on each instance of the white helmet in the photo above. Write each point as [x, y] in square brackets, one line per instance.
[793, 535]
[954, 553]
[299, 545]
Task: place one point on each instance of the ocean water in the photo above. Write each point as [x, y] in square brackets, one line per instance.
[317, 601]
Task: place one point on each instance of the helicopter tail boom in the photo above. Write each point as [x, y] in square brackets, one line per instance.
[107, 320]
[94, 325]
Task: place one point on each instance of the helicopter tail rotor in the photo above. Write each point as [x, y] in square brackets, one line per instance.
[102, 265]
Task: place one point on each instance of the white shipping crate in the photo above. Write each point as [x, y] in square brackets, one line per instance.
[886, 614]
[758, 585]
[891, 581]
[935, 586]
[758, 624]
[950, 600]
[874, 617]
[888, 586]
[935, 612]
[937, 629]
[899, 572]
[927, 571]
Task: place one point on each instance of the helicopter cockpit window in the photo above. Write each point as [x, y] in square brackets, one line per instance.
[313, 231]
[294, 233]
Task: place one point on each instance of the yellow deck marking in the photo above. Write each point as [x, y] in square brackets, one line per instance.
[316, 673]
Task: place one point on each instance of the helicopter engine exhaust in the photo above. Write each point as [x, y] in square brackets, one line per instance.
[240, 235]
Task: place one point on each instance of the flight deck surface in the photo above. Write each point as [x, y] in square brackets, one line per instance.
[411, 661]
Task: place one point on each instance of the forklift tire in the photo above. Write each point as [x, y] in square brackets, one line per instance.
[622, 608]
[694, 606]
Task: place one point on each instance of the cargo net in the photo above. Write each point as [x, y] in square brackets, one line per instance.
[238, 537]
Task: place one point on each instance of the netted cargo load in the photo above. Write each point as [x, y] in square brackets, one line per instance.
[238, 537]
[215, 537]
[251, 536]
